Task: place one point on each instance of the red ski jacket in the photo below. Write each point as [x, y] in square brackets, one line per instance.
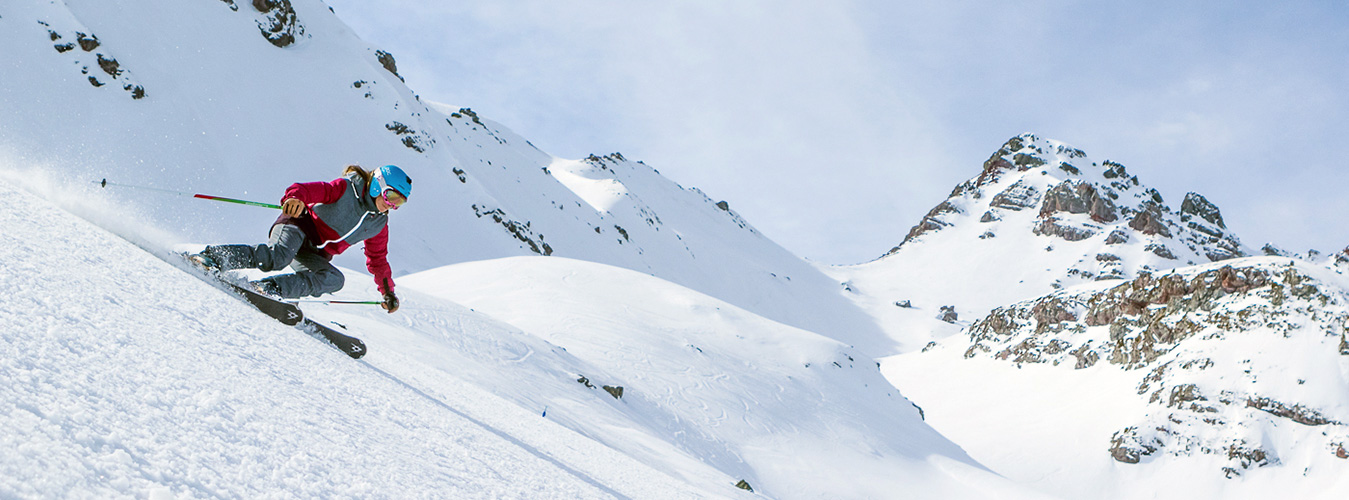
[342, 215]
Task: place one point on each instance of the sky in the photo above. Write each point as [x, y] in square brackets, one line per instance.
[833, 127]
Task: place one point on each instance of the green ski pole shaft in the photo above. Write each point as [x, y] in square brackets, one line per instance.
[232, 200]
[105, 184]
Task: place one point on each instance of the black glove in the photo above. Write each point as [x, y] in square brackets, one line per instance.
[390, 302]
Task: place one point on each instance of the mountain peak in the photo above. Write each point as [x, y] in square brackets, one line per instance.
[1055, 190]
[1040, 215]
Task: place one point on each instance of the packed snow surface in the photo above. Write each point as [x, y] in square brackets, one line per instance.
[769, 401]
[535, 287]
[124, 376]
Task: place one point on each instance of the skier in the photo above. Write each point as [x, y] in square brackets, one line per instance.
[319, 220]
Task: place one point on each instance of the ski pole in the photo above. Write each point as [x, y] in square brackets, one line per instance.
[232, 200]
[104, 183]
[342, 302]
[362, 303]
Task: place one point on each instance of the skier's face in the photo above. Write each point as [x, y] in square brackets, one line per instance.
[389, 200]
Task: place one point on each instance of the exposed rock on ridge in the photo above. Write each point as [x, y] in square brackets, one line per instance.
[1080, 201]
[86, 52]
[1207, 342]
[278, 23]
[1075, 196]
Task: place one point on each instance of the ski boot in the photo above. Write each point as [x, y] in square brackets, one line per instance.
[267, 287]
[204, 262]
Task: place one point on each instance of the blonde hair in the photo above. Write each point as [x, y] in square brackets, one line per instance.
[365, 175]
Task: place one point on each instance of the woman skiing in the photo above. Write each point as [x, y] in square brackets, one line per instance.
[320, 220]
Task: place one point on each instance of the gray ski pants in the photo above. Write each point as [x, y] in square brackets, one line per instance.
[286, 246]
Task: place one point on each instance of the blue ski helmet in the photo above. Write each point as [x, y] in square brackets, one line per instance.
[390, 177]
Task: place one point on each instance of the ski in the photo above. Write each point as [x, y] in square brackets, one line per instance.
[353, 346]
[285, 312]
[290, 314]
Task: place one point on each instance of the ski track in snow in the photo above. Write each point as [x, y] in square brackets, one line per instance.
[123, 377]
[504, 436]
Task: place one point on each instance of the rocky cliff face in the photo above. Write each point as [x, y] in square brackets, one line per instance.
[1074, 198]
[1243, 362]
[1040, 215]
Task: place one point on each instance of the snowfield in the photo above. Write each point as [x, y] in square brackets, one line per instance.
[1245, 398]
[124, 376]
[766, 400]
[588, 328]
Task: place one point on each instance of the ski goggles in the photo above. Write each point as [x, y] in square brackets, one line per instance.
[393, 202]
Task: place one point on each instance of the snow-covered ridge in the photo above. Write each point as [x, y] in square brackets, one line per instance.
[244, 98]
[1039, 215]
[1244, 361]
[1075, 198]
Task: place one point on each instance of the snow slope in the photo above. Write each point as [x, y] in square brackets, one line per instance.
[803, 415]
[1040, 215]
[731, 350]
[1226, 380]
[225, 111]
[124, 377]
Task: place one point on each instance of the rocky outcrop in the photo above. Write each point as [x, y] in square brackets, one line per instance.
[993, 166]
[1296, 412]
[1273, 251]
[948, 314]
[1018, 149]
[1019, 196]
[387, 61]
[1127, 447]
[1078, 197]
[1207, 234]
[278, 22]
[91, 56]
[932, 221]
[1150, 221]
[1160, 250]
[1051, 313]
[413, 139]
[1174, 330]
[1054, 227]
[521, 231]
[1196, 206]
